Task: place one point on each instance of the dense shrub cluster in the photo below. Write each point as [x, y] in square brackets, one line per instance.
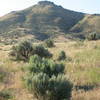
[49, 43]
[45, 65]
[41, 51]
[46, 79]
[24, 50]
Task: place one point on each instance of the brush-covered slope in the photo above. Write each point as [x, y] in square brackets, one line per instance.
[44, 18]
[90, 23]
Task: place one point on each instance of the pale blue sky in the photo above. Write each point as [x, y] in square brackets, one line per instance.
[87, 6]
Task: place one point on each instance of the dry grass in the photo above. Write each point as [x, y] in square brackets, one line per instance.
[83, 69]
[89, 23]
[90, 95]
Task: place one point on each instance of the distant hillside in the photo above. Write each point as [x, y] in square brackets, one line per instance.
[42, 19]
[46, 19]
[90, 23]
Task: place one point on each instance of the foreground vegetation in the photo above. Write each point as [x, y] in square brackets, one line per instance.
[82, 70]
[46, 80]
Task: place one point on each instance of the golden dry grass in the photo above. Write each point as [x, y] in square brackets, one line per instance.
[89, 23]
[83, 69]
[90, 95]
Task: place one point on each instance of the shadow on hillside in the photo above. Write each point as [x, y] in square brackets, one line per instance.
[41, 36]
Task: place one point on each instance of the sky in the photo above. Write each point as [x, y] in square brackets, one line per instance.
[86, 6]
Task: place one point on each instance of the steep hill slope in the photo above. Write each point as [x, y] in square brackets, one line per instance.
[90, 23]
[45, 18]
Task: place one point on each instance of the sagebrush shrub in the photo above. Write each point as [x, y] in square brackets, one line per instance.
[92, 36]
[38, 84]
[59, 88]
[6, 95]
[49, 43]
[2, 76]
[42, 51]
[45, 78]
[62, 55]
[23, 51]
[46, 88]
[47, 66]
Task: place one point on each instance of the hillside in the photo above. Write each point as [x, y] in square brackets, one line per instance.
[46, 19]
[90, 23]
[42, 19]
[48, 52]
